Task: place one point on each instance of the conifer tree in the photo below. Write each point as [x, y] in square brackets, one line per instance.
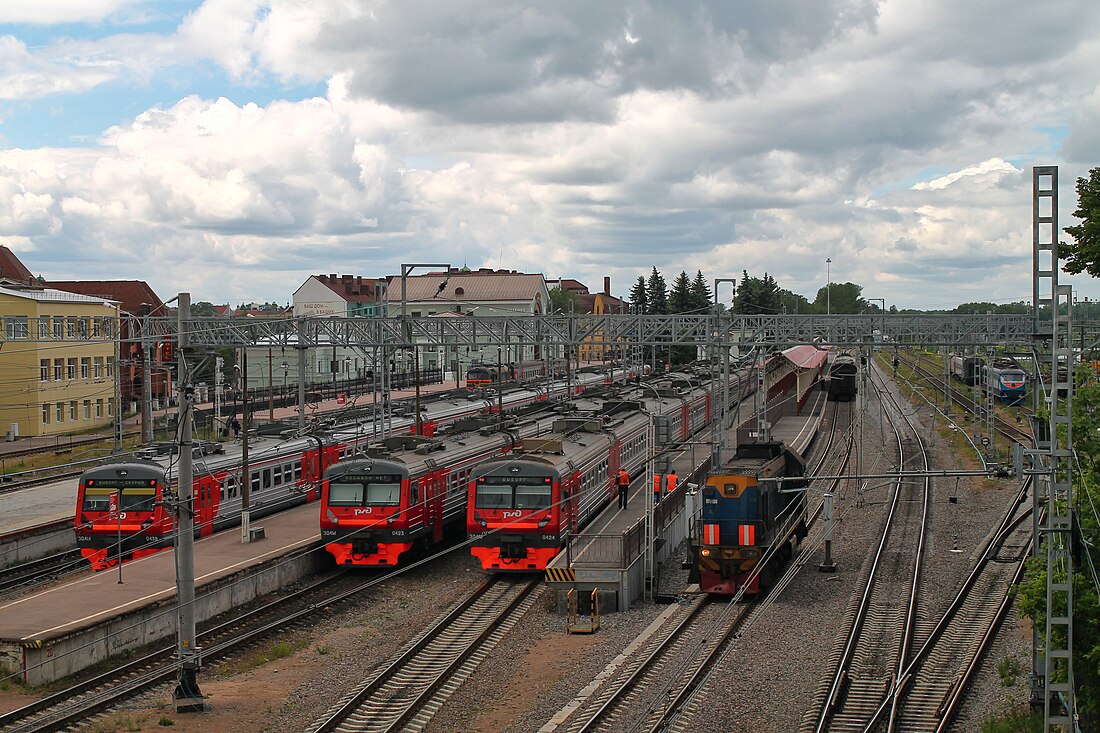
[638, 297]
[656, 294]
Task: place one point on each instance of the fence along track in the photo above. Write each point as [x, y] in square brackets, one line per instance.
[883, 622]
[406, 693]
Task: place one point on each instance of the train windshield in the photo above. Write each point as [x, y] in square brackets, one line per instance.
[479, 375]
[98, 496]
[365, 491]
[519, 492]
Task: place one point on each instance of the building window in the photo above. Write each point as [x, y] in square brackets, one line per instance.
[87, 409]
[95, 328]
[58, 327]
[70, 371]
[83, 328]
[45, 413]
[110, 406]
[43, 328]
[44, 370]
[97, 369]
[72, 409]
[58, 369]
[110, 366]
[17, 328]
[99, 408]
[59, 411]
[70, 328]
[85, 367]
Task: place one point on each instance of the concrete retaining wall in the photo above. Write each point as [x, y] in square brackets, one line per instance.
[35, 542]
[54, 659]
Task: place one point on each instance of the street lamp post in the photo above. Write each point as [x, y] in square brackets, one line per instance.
[405, 331]
[829, 286]
[719, 441]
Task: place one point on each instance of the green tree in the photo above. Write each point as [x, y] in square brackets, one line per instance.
[757, 296]
[679, 298]
[840, 298]
[794, 303]
[1086, 604]
[700, 293]
[563, 300]
[982, 307]
[638, 297]
[202, 308]
[656, 293]
[1084, 254]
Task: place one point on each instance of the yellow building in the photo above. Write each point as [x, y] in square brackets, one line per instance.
[57, 361]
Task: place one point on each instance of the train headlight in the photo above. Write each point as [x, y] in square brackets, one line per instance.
[480, 520]
[332, 517]
[705, 553]
[544, 521]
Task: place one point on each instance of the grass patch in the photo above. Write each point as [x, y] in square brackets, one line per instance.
[324, 649]
[1017, 720]
[1008, 669]
[270, 653]
[166, 722]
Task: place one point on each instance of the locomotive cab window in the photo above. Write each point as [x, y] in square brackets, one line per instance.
[365, 491]
[138, 500]
[97, 500]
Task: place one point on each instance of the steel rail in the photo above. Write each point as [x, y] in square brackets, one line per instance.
[160, 665]
[838, 686]
[348, 708]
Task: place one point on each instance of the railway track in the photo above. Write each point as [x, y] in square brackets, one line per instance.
[883, 622]
[657, 685]
[930, 688]
[961, 398]
[79, 702]
[25, 576]
[406, 693]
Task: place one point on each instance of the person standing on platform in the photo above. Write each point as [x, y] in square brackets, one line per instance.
[656, 488]
[670, 481]
[624, 487]
[235, 424]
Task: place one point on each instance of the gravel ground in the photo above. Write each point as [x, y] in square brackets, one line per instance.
[767, 681]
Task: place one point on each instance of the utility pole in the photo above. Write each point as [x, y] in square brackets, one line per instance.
[118, 380]
[246, 471]
[187, 695]
[219, 379]
[301, 375]
[146, 379]
[270, 389]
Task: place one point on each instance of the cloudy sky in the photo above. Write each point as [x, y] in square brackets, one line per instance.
[230, 148]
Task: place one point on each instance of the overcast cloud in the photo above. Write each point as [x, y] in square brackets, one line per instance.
[233, 147]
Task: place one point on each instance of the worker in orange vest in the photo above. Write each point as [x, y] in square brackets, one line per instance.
[670, 481]
[656, 488]
[624, 487]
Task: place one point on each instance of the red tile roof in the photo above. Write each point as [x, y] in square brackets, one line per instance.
[11, 268]
[479, 287]
[130, 293]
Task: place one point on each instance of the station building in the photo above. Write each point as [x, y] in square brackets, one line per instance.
[59, 365]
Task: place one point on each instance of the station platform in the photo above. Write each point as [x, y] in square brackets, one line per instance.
[608, 557]
[55, 632]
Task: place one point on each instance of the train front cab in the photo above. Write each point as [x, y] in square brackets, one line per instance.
[513, 516]
[124, 500]
[366, 512]
[740, 516]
